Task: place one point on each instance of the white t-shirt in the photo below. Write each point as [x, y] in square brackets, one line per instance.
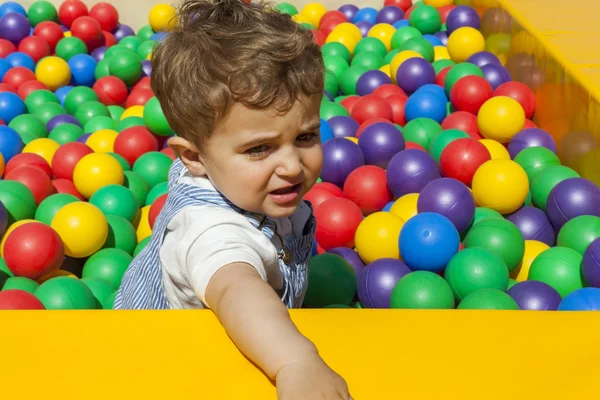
[201, 239]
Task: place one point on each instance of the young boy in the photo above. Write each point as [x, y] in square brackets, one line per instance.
[241, 85]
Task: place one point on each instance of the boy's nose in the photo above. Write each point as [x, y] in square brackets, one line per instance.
[289, 165]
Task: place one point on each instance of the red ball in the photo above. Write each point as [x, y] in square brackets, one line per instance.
[66, 158]
[461, 246]
[529, 124]
[30, 159]
[106, 14]
[408, 12]
[320, 250]
[66, 186]
[6, 47]
[349, 102]
[317, 196]
[4, 87]
[133, 142]
[398, 104]
[368, 123]
[168, 151]
[328, 25]
[110, 90]
[144, 83]
[403, 4]
[155, 209]
[337, 221]
[519, 92]
[463, 121]
[35, 179]
[109, 39]
[50, 31]
[332, 14]
[33, 250]
[413, 145]
[30, 86]
[318, 37]
[469, 93]
[16, 76]
[445, 10]
[461, 158]
[330, 187]
[89, 30]
[371, 106]
[36, 47]
[440, 78]
[388, 90]
[70, 10]
[19, 300]
[367, 187]
[139, 97]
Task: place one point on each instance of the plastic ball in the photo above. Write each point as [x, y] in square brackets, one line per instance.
[455, 72]
[106, 14]
[69, 11]
[36, 180]
[534, 225]
[377, 280]
[116, 200]
[586, 299]
[377, 237]
[366, 186]
[156, 208]
[340, 157]
[28, 159]
[546, 180]
[14, 27]
[19, 300]
[500, 118]
[533, 248]
[66, 293]
[66, 186]
[410, 171]
[484, 58]
[50, 206]
[414, 73]
[318, 193]
[426, 104]
[95, 171]
[379, 142]
[11, 106]
[535, 296]
[470, 93]
[426, 19]
[102, 141]
[590, 266]
[521, 93]
[421, 131]
[107, 264]
[496, 75]
[559, 267]
[464, 42]
[422, 290]
[531, 137]
[462, 158]
[488, 299]
[579, 232]
[155, 119]
[501, 185]
[337, 221]
[443, 140]
[572, 198]
[462, 16]
[82, 228]
[121, 234]
[44, 147]
[406, 206]
[497, 151]
[534, 160]
[331, 281]
[35, 47]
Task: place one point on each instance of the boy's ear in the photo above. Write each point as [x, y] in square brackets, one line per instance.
[189, 155]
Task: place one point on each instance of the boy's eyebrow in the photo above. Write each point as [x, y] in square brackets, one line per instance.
[260, 137]
[313, 126]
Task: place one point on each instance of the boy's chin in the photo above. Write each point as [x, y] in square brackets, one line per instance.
[280, 211]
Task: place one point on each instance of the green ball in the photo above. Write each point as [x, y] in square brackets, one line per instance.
[78, 96]
[156, 192]
[141, 245]
[390, 56]
[336, 65]
[350, 77]
[368, 60]
[20, 283]
[66, 293]
[528, 200]
[488, 299]
[128, 123]
[107, 264]
[114, 50]
[511, 282]
[68, 47]
[286, 8]
[4, 268]
[331, 82]
[124, 164]
[121, 234]
[499, 236]
[545, 181]
[102, 69]
[47, 111]
[127, 66]
[578, 233]
[331, 280]
[138, 186]
[336, 49]
[88, 111]
[426, 19]
[372, 45]
[404, 34]
[421, 46]
[18, 201]
[535, 159]
[559, 267]
[145, 32]
[330, 110]
[444, 139]
[473, 269]
[39, 97]
[100, 288]
[145, 48]
[116, 200]
[115, 113]
[441, 64]
[109, 303]
[29, 127]
[422, 290]
[339, 99]
[66, 133]
[155, 119]
[98, 123]
[41, 11]
[460, 71]
[307, 26]
[153, 167]
[422, 131]
[132, 43]
[50, 206]
[481, 213]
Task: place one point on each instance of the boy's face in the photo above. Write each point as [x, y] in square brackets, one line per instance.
[266, 161]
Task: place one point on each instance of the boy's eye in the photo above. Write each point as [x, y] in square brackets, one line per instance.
[307, 137]
[257, 150]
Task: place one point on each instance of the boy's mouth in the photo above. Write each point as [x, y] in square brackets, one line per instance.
[286, 195]
[290, 189]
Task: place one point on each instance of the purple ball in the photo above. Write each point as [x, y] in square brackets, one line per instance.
[450, 198]
[14, 27]
[414, 73]
[380, 142]
[590, 266]
[377, 280]
[98, 53]
[410, 171]
[572, 198]
[531, 137]
[340, 157]
[535, 296]
[364, 27]
[483, 58]
[371, 80]
[349, 11]
[443, 36]
[495, 74]
[62, 119]
[534, 225]
[147, 67]
[343, 126]
[329, 95]
[389, 15]
[351, 256]
[462, 16]
[122, 31]
[84, 138]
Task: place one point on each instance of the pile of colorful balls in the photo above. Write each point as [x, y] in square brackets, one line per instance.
[438, 189]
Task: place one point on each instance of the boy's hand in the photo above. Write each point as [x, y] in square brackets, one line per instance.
[310, 379]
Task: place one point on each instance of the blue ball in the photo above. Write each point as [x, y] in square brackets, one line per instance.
[11, 106]
[435, 41]
[314, 248]
[61, 94]
[326, 131]
[426, 104]
[18, 59]
[400, 24]
[368, 14]
[11, 143]
[388, 206]
[586, 299]
[434, 88]
[428, 241]
[4, 68]
[83, 67]
[12, 6]
[159, 36]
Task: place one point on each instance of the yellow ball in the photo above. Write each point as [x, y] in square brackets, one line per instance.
[438, 3]
[399, 59]
[43, 147]
[406, 206]
[54, 274]
[500, 118]
[386, 69]
[143, 229]
[344, 37]
[533, 248]
[162, 17]
[11, 228]
[377, 237]
[95, 171]
[2, 165]
[501, 185]
[67, 34]
[383, 32]
[133, 111]
[350, 28]
[302, 19]
[53, 72]
[102, 141]
[352, 139]
[497, 150]
[440, 53]
[464, 42]
[314, 12]
[82, 228]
